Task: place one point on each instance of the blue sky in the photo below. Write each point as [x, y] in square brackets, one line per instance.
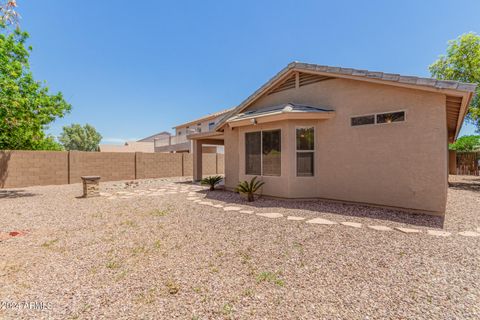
[132, 69]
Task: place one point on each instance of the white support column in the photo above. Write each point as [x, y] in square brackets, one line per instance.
[197, 160]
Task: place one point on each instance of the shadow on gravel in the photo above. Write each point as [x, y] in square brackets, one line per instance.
[11, 194]
[332, 207]
[473, 186]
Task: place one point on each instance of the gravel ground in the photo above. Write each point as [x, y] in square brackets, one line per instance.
[149, 251]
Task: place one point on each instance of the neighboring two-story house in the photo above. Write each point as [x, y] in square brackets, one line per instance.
[180, 143]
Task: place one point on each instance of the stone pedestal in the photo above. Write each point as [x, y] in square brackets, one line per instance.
[91, 186]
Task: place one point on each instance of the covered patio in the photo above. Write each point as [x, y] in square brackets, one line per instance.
[198, 141]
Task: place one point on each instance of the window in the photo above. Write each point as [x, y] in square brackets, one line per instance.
[360, 121]
[378, 118]
[305, 151]
[271, 162]
[253, 148]
[391, 117]
[263, 153]
[211, 125]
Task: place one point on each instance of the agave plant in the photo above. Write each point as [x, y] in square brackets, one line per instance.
[211, 181]
[249, 188]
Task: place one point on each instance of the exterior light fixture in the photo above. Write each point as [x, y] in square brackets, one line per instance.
[254, 121]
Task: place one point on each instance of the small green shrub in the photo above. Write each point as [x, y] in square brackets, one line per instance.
[158, 213]
[211, 181]
[270, 277]
[48, 244]
[249, 188]
[172, 287]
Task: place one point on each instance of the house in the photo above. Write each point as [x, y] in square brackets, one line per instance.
[315, 131]
[180, 143]
[143, 145]
[157, 136]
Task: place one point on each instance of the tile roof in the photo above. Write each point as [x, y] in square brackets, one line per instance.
[420, 81]
[394, 78]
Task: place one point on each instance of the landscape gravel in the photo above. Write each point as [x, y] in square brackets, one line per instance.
[161, 257]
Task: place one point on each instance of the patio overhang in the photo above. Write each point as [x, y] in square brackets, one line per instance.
[198, 140]
[288, 111]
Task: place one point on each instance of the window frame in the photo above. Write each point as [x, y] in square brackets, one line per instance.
[314, 151]
[374, 114]
[404, 117]
[261, 152]
[211, 125]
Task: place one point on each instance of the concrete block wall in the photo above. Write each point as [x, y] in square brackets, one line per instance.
[33, 168]
[209, 163]
[187, 164]
[220, 163]
[159, 165]
[111, 166]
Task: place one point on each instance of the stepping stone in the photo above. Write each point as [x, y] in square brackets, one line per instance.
[407, 230]
[321, 221]
[206, 203]
[217, 206]
[271, 215]
[438, 233]
[478, 229]
[380, 228]
[294, 218]
[192, 198]
[198, 200]
[232, 208]
[246, 211]
[351, 224]
[469, 234]
[111, 198]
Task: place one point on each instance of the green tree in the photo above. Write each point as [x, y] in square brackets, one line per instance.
[462, 63]
[76, 137]
[466, 143]
[26, 106]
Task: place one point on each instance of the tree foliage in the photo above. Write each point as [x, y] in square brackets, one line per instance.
[26, 105]
[462, 63]
[76, 137]
[466, 143]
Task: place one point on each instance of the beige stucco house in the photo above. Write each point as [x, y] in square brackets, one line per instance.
[352, 135]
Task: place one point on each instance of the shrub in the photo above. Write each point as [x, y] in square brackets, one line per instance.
[249, 188]
[211, 181]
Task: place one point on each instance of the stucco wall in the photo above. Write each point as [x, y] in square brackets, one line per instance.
[400, 164]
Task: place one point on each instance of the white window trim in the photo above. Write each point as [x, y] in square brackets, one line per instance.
[375, 118]
[314, 151]
[261, 152]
